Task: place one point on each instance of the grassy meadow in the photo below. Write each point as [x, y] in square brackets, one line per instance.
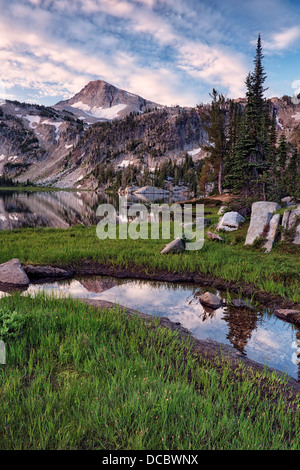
[276, 273]
[81, 378]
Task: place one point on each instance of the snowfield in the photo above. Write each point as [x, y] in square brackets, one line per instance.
[33, 120]
[104, 113]
[296, 116]
[193, 152]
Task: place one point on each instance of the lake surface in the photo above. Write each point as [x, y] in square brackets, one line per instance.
[260, 335]
[60, 209]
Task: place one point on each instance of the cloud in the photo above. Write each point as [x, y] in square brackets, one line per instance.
[282, 40]
[214, 65]
[157, 48]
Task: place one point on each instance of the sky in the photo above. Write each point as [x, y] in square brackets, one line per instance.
[173, 52]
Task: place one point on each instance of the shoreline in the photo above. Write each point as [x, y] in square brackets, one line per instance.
[206, 348]
[92, 268]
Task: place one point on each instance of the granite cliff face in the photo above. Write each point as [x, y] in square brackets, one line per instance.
[64, 145]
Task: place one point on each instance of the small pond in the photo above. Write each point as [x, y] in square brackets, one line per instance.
[255, 332]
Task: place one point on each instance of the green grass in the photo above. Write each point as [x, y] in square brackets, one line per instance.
[79, 378]
[276, 272]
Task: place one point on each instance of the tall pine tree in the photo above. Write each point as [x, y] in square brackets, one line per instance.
[250, 159]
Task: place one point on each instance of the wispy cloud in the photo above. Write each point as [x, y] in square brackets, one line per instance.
[170, 51]
[282, 40]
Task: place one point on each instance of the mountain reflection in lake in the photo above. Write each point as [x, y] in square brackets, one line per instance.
[60, 209]
[260, 335]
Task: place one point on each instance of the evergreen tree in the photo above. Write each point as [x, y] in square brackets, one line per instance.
[250, 159]
[293, 175]
[282, 156]
[214, 123]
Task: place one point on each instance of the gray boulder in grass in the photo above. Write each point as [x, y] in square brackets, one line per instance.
[291, 221]
[12, 274]
[272, 232]
[176, 246]
[230, 221]
[261, 221]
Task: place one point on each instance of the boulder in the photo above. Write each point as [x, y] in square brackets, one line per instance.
[272, 232]
[46, 272]
[176, 246]
[13, 275]
[214, 236]
[210, 300]
[288, 201]
[291, 221]
[289, 315]
[230, 221]
[261, 215]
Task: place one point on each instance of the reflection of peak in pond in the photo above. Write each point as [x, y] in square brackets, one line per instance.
[259, 335]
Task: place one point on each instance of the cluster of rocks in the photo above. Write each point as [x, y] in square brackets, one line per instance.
[265, 221]
[266, 218]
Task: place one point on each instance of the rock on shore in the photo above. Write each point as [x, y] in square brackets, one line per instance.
[13, 275]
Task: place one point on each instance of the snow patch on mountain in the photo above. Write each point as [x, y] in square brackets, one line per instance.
[296, 116]
[193, 152]
[279, 123]
[33, 120]
[98, 112]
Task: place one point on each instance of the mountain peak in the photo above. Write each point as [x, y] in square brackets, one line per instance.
[99, 100]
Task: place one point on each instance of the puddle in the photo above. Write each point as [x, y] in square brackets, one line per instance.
[259, 335]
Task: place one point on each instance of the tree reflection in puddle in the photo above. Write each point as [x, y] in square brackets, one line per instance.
[241, 322]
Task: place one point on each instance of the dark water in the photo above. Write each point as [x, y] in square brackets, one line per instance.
[258, 334]
[60, 209]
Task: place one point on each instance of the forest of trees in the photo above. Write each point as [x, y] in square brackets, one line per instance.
[244, 155]
[185, 173]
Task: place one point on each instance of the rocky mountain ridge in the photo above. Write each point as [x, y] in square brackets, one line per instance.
[59, 146]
